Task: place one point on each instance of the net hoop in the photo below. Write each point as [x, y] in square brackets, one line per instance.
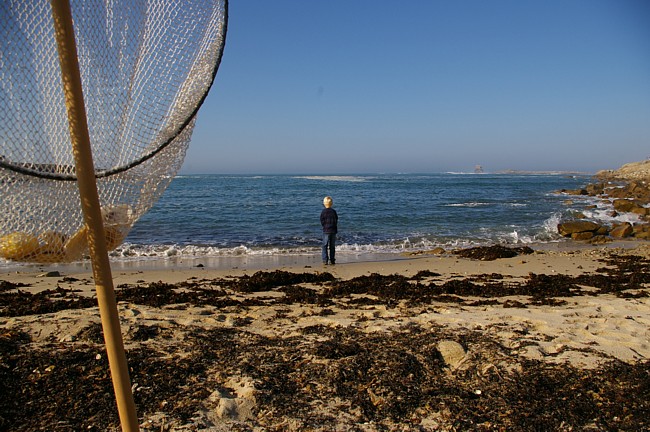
[26, 170]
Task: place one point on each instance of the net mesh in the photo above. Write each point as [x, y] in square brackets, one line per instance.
[146, 67]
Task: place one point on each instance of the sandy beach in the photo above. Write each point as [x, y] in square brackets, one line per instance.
[551, 336]
[554, 337]
[487, 277]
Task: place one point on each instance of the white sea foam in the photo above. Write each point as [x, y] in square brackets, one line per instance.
[464, 173]
[550, 224]
[354, 179]
[605, 213]
[468, 204]
[132, 252]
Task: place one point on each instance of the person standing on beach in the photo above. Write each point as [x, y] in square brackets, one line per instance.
[329, 219]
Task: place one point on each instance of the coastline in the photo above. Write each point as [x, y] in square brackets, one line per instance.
[553, 336]
[173, 269]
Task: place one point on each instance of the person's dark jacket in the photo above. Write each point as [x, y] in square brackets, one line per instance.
[329, 220]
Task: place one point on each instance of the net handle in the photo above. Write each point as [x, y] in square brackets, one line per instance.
[71, 78]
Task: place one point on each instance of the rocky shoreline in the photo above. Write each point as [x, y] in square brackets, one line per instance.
[628, 191]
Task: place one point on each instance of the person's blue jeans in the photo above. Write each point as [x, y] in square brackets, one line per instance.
[329, 244]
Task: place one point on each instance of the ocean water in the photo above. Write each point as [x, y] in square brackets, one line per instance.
[231, 215]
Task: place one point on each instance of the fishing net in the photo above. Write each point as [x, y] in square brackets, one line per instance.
[146, 67]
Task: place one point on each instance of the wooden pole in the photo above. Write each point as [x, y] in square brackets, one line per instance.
[92, 213]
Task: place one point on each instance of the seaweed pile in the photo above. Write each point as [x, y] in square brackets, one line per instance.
[490, 253]
[325, 378]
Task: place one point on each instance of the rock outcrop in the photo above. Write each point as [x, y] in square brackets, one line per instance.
[628, 188]
[567, 229]
[630, 172]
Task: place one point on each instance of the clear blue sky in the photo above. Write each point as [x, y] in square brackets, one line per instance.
[360, 86]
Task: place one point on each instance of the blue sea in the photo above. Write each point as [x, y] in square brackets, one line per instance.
[236, 215]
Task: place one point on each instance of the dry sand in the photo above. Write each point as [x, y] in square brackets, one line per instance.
[317, 326]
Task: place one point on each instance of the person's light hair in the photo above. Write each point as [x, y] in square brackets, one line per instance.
[327, 202]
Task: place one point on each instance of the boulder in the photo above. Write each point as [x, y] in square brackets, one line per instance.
[602, 231]
[643, 235]
[600, 239]
[621, 231]
[631, 206]
[567, 229]
[641, 231]
[638, 190]
[586, 235]
[619, 193]
[623, 205]
[575, 191]
[595, 189]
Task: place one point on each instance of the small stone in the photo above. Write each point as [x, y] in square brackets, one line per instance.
[452, 353]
